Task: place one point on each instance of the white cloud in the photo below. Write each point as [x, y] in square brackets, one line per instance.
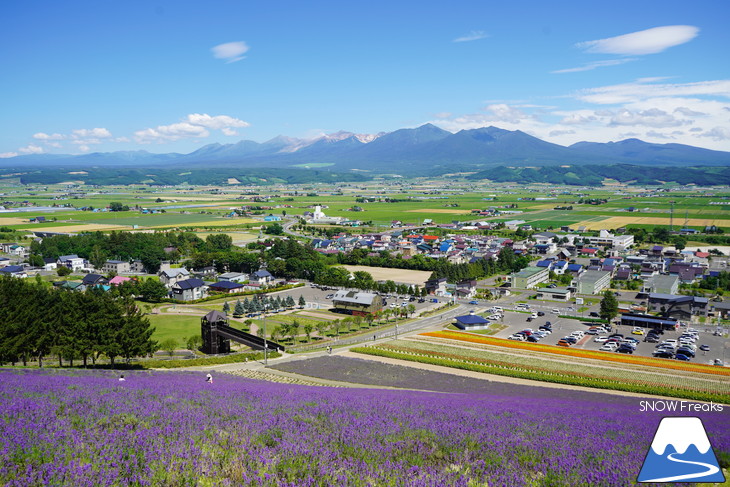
[594, 65]
[505, 113]
[169, 133]
[717, 133]
[195, 125]
[646, 88]
[218, 122]
[84, 148]
[650, 41]
[474, 35]
[5, 155]
[230, 51]
[688, 113]
[653, 134]
[556, 133]
[652, 117]
[44, 137]
[95, 133]
[31, 149]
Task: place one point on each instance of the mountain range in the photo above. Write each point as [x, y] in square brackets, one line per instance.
[426, 150]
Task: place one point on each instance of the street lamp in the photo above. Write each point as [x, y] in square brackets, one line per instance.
[396, 331]
[266, 347]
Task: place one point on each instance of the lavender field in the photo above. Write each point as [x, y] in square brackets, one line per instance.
[169, 428]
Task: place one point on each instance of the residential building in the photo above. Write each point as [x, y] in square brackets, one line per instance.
[261, 277]
[593, 282]
[554, 294]
[678, 306]
[90, 280]
[661, 284]
[529, 277]
[188, 290]
[226, 287]
[436, 286]
[116, 266]
[466, 289]
[233, 277]
[49, 264]
[14, 271]
[171, 276]
[73, 262]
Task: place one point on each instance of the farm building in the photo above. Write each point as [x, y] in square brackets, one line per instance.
[357, 303]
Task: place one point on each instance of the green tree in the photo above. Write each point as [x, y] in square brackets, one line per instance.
[194, 342]
[226, 307]
[308, 328]
[302, 301]
[609, 306]
[169, 345]
[153, 290]
[219, 242]
[63, 271]
[239, 310]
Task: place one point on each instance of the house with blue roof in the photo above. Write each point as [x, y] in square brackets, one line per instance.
[560, 267]
[226, 287]
[14, 271]
[471, 322]
[188, 290]
[261, 277]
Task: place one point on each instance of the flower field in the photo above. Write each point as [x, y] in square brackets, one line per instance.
[85, 428]
[609, 357]
[536, 368]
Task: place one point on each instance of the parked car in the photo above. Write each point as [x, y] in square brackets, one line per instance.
[564, 343]
[473, 301]
[637, 331]
[533, 338]
[546, 328]
[593, 314]
[663, 354]
[608, 347]
[540, 313]
[600, 339]
[421, 300]
[681, 356]
[573, 340]
[518, 337]
[705, 348]
[686, 351]
[555, 311]
[718, 362]
[625, 349]
[592, 331]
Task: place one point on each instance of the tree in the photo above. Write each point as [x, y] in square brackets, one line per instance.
[275, 229]
[609, 306]
[36, 260]
[308, 328]
[239, 310]
[218, 242]
[194, 342]
[302, 302]
[63, 271]
[153, 290]
[226, 308]
[116, 206]
[97, 257]
[169, 345]
[411, 309]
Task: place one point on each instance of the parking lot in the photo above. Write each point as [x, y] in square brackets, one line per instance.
[515, 321]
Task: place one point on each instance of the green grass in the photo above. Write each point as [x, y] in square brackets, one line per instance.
[176, 327]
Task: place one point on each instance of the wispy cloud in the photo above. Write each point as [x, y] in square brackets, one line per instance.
[31, 149]
[644, 88]
[650, 41]
[230, 51]
[5, 155]
[594, 65]
[195, 125]
[474, 35]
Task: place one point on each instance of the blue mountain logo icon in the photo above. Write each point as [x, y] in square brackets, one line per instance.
[680, 452]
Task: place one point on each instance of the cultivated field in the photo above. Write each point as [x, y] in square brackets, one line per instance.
[403, 276]
[622, 221]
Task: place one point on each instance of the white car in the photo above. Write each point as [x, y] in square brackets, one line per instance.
[609, 347]
[670, 341]
[494, 317]
[600, 339]
[497, 309]
[520, 338]
[555, 310]
[578, 334]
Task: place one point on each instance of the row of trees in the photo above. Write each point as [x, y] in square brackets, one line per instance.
[261, 303]
[149, 248]
[37, 321]
[351, 323]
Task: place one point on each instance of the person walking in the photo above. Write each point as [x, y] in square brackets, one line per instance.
[209, 379]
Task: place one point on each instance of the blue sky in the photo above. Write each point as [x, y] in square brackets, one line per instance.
[171, 76]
